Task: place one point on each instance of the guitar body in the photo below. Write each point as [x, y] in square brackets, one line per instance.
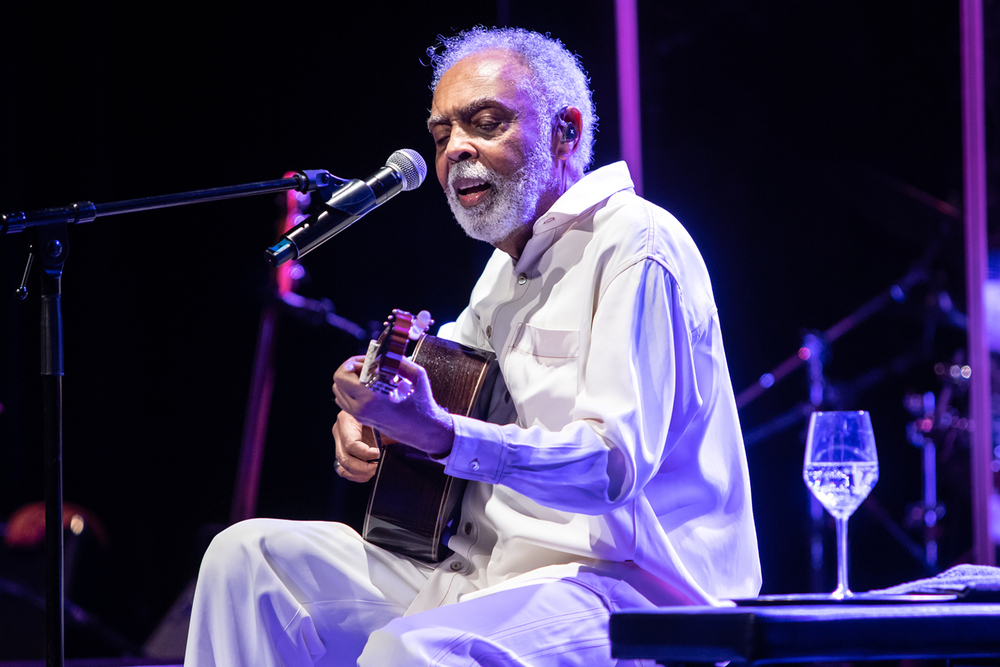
[413, 504]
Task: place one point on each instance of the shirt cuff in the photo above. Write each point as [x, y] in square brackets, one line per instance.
[478, 452]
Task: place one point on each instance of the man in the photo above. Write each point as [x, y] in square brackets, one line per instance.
[623, 482]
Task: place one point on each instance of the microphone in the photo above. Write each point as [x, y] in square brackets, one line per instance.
[404, 170]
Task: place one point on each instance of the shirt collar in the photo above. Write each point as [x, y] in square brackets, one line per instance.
[593, 188]
[586, 193]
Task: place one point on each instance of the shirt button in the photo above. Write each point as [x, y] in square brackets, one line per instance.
[468, 528]
[456, 565]
[489, 331]
[506, 397]
[521, 279]
[474, 464]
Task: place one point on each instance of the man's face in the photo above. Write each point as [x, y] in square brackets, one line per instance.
[492, 158]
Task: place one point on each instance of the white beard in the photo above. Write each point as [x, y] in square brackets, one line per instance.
[511, 201]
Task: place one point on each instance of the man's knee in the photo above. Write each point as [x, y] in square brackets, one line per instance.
[277, 539]
[399, 643]
[419, 640]
[233, 544]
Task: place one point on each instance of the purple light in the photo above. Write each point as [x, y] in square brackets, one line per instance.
[629, 114]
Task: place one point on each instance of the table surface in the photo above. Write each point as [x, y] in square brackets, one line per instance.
[793, 633]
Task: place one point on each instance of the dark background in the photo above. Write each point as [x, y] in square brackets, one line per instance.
[794, 140]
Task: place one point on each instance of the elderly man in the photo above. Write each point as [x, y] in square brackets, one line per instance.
[622, 482]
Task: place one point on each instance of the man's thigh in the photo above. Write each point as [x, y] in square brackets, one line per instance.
[551, 621]
[274, 592]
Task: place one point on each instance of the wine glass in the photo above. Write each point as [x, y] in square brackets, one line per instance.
[840, 469]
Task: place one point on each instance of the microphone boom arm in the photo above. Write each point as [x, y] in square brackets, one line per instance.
[80, 212]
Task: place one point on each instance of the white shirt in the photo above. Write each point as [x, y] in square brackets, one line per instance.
[627, 445]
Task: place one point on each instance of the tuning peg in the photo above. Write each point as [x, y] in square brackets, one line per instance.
[420, 324]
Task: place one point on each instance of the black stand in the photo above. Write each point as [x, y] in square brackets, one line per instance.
[51, 245]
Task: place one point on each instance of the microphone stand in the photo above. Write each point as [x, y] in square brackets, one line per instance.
[51, 246]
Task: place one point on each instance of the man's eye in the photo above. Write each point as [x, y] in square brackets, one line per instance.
[489, 127]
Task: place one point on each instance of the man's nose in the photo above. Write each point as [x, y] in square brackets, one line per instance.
[460, 146]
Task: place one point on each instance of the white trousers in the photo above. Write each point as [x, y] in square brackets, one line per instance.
[274, 593]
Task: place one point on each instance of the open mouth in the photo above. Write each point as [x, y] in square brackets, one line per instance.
[471, 191]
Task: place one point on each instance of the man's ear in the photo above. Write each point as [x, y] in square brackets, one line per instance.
[566, 132]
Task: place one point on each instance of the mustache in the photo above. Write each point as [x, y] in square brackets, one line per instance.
[470, 170]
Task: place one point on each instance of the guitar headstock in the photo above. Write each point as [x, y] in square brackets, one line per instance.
[382, 364]
[398, 324]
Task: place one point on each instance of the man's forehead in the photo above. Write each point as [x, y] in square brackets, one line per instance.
[495, 74]
[488, 63]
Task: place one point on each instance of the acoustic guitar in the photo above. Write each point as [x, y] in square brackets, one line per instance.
[413, 505]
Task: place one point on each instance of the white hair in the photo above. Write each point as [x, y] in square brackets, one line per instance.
[558, 77]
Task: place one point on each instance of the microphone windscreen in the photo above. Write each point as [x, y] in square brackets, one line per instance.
[410, 166]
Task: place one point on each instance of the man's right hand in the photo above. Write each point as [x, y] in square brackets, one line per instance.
[356, 460]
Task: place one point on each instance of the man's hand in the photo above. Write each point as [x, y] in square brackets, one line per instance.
[356, 460]
[410, 415]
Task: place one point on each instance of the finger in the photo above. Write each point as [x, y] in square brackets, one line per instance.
[411, 371]
[350, 440]
[346, 428]
[361, 451]
[347, 388]
[354, 468]
[346, 402]
[353, 456]
[356, 471]
[350, 370]
[402, 391]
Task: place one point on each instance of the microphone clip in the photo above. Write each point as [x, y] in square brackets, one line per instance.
[320, 181]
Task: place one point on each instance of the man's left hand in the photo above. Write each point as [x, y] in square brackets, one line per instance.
[411, 415]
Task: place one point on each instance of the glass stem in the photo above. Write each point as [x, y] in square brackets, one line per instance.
[842, 590]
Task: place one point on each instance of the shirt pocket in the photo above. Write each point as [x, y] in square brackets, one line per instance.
[542, 373]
